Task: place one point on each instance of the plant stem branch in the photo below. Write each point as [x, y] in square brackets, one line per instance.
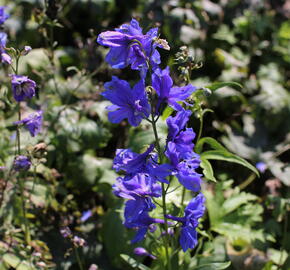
[157, 144]
[78, 258]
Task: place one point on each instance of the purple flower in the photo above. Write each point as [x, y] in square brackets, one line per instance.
[179, 151]
[22, 87]
[139, 251]
[26, 50]
[3, 15]
[5, 58]
[66, 232]
[140, 185]
[32, 123]
[86, 215]
[136, 216]
[127, 103]
[261, 166]
[21, 163]
[163, 84]
[177, 123]
[185, 172]
[193, 211]
[129, 46]
[133, 163]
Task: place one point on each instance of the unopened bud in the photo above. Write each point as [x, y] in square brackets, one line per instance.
[139, 251]
[26, 50]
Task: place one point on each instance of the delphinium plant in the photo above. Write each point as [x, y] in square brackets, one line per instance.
[26, 157]
[168, 164]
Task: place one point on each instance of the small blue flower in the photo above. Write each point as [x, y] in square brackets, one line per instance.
[261, 166]
[140, 185]
[32, 123]
[86, 215]
[22, 163]
[22, 87]
[193, 211]
[5, 58]
[3, 15]
[131, 162]
[127, 103]
[136, 216]
[147, 162]
[129, 46]
[163, 84]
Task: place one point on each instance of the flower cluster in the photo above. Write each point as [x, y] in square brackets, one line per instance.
[23, 89]
[4, 57]
[146, 174]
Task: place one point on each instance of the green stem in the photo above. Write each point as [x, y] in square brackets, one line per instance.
[26, 225]
[163, 192]
[182, 197]
[248, 181]
[20, 182]
[78, 258]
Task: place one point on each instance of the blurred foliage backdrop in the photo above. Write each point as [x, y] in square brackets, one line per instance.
[246, 41]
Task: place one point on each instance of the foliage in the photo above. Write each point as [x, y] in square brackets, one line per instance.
[237, 56]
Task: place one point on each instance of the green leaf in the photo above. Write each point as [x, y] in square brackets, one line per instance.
[167, 112]
[210, 141]
[218, 85]
[11, 260]
[133, 262]
[237, 200]
[229, 157]
[286, 264]
[213, 266]
[17, 262]
[113, 231]
[207, 170]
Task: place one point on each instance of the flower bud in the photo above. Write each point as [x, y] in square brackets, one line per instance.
[21, 163]
[26, 50]
[139, 251]
[78, 241]
[66, 232]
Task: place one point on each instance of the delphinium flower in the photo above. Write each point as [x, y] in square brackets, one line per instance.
[180, 151]
[22, 87]
[138, 189]
[32, 123]
[5, 58]
[137, 216]
[127, 103]
[21, 163]
[3, 15]
[133, 163]
[193, 211]
[167, 94]
[129, 46]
